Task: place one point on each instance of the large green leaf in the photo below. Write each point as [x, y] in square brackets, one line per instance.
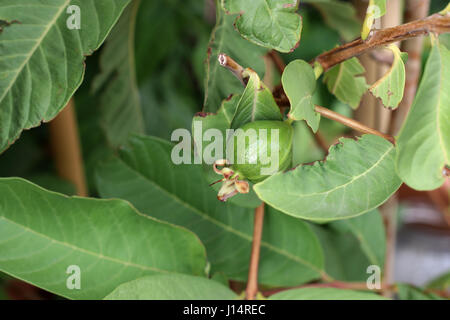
[41, 60]
[42, 233]
[390, 87]
[172, 287]
[299, 83]
[256, 103]
[273, 24]
[356, 177]
[325, 294]
[120, 104]
[369, 232]
[340, 16]
[352, 245]
[346, 82]
[219, 82]
[146, 176]
[424, 141]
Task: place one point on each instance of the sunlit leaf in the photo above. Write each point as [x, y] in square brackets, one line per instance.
[375, 10]
[391, 86]
[356, 177]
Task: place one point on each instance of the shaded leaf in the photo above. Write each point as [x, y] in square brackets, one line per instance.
[42, 233]
[346, 82]
[219, 82]
[356, 177]
[340, 16]
[391, 86]
[116, 85]
[256, 103]
[299, 83]
[272, 24]
[409, 292]
[41, 60]
[172, 287]
[441, 282]
[424, 141]
[325, 294]
[146, 176]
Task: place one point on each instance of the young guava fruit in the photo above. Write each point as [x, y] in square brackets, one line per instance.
[261, 148]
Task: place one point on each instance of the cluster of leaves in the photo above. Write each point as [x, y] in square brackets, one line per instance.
[165, 235]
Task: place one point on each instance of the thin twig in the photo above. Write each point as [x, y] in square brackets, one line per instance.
[355, 125]
[252, 283]
[233, 66]
[277, 60]
[435, 23]
[65, 144]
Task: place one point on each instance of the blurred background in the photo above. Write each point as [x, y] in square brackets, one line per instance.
[171, 45]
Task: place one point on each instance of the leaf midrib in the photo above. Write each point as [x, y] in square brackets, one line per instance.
[35, 47]
[220, 224]
[290, 192]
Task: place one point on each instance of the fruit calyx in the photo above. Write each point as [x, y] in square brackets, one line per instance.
[231, 185]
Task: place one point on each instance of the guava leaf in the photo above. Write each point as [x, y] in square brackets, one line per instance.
[42, 233]
[356, 177]
[219, 82]
[41, 62]
[375, 10]
[325, 294]
[441, 282]
[369, 231]
[340, 16]
[172, 287]
[391, 86]
[272, 24]
[299, 83]
[410, 292]
[145, 175]
[424, 141]
[256, 103]
[120, 104]
[362, 238]
[346, 82]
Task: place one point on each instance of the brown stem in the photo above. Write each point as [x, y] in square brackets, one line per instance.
[435, 23]
[389, 214]
[65, 145]
[355, 125]
[252, 283]
[277, 60]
